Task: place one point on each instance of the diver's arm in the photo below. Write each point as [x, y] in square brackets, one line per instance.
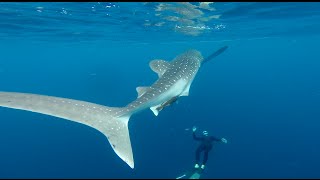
[219, 139]
[213, 138]
[194, 128]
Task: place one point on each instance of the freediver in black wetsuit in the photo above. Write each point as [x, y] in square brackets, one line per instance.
[205, 146]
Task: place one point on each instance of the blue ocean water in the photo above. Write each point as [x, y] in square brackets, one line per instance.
[262, 94]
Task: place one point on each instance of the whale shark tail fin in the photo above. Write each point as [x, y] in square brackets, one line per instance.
[118, 135]
[111, 121]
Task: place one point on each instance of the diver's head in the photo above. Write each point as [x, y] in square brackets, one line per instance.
[205, 133]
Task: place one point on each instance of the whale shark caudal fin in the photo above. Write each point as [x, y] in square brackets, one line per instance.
[110, 121]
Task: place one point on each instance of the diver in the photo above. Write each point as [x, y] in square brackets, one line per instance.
[205, 146]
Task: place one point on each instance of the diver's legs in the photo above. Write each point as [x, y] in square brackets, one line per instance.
[205, 157]
[198, 151]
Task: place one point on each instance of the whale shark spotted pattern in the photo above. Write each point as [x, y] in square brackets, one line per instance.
[174, 80]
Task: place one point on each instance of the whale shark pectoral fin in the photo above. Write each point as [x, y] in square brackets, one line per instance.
[155, 110]
[186, 91]
[159, 66]
[99, 117]
[141, 90]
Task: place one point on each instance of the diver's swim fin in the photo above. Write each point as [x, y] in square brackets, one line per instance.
[182, 176]
[193, 174]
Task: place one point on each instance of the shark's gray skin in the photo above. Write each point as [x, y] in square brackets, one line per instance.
[175, 79]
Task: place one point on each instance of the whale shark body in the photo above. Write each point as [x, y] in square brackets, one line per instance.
[175, 79]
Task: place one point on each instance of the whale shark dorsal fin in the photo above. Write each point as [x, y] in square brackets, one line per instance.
[141, 90]
[159, 66]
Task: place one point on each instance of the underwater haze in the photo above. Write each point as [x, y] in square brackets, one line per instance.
[262, 94]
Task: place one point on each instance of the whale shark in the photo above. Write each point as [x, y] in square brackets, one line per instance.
[174, 80]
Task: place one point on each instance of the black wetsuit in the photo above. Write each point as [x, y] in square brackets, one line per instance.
[206, 146]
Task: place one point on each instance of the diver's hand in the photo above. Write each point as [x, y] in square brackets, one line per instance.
[194, 129]
[224, 140]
